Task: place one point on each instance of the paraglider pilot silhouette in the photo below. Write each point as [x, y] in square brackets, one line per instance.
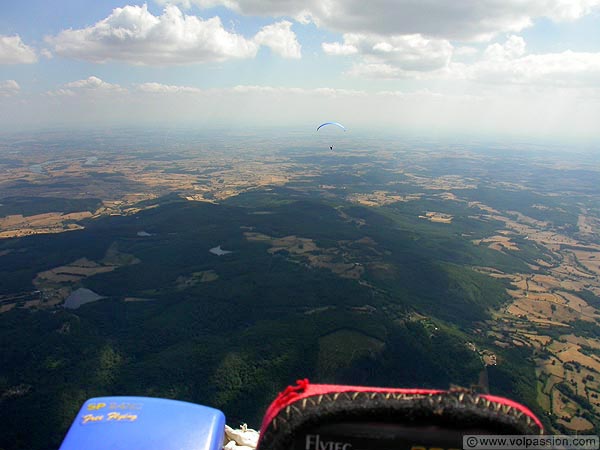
[331, 123]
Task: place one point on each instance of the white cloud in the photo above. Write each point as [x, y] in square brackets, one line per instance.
[134, 35]
[14, 51]
[298, 10]
[392, 56]
[566, 68]
[502, 63]
[508, 63]
[375, 70]
[512, 48]
[460, 20]
[411, 52]
[560, 10]
[271, 90]
[464, 50]
[335, 48]
[331, 92]
[91, 85]
[158, 88]
[94, 85]
[8, 88]
[557, 111]
[257, 89]
[280, 38]
[46, 53]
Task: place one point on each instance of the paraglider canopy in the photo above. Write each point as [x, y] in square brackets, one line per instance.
[332, 123]
[337, 124]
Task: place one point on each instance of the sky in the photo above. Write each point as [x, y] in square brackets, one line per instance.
[482, 67]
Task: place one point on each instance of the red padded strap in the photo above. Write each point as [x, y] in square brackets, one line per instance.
[303, 388]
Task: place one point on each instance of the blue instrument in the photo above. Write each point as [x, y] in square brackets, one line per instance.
[136, 423]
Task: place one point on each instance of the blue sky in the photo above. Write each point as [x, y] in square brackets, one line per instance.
[497, 68]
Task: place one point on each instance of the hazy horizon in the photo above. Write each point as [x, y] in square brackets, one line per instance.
[512, 69]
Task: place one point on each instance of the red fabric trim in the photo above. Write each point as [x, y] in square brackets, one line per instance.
[512, 403]
[304, 389]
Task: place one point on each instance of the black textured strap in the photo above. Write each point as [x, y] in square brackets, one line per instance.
[457, 410]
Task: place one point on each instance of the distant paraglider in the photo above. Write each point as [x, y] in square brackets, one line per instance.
[337, 124]
[331, 123]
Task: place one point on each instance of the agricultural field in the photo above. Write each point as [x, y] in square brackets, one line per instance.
[220, 275]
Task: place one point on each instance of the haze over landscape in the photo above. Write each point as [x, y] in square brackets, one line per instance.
[485, 67]
[173, 225]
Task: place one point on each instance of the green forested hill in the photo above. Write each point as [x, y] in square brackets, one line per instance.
[231, 331]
